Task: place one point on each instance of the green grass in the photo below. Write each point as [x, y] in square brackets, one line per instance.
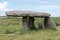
[10, 29]
[57, 20]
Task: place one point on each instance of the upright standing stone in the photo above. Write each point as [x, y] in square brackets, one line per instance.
[25, 23]
[49, 23]
[31, 23]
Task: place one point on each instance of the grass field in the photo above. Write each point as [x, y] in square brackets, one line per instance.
[10, 29]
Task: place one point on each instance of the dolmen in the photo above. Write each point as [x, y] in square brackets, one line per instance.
[28, 18]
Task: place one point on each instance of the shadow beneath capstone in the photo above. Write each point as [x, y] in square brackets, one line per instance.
[41, 28]
[33, 30]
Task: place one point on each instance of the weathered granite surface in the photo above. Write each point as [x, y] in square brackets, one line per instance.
[27, 13]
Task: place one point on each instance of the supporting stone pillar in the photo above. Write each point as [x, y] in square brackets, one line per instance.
[31, 23]
[49, 23]
[25, 23]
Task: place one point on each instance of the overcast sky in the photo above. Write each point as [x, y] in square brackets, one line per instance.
[49, 6]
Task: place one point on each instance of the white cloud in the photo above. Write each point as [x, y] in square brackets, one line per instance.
[50, 7]
[39, 7]
[4, 6]
[46, 7]
[38, 1]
